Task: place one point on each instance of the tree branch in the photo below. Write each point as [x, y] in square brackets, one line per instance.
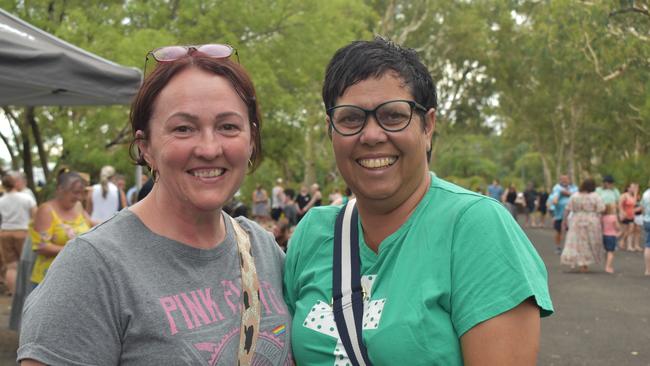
[631, 9]
[119, 139]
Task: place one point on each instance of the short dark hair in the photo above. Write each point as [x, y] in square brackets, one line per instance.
[290, 193]
[588, 185]
[154, 83]
[361, 60]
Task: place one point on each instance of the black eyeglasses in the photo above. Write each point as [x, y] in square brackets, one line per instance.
[392, 116]
[173, 53]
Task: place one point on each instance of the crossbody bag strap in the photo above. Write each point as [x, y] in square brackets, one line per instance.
[250, 313]
[347, 292]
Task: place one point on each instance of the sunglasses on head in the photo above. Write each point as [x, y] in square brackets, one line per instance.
[173, 53]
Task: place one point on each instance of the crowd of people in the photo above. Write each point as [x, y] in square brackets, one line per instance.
[283, 210]
[590, 222]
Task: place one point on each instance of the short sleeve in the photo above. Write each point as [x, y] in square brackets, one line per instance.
[71, 318]
[494, 267]
[290, 262]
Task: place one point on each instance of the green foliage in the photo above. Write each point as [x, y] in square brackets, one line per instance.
[527, 89]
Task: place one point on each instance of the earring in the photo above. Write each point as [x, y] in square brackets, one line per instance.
[155, 175]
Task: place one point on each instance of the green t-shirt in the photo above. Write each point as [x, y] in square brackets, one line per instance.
[609, 196]
[460, 259]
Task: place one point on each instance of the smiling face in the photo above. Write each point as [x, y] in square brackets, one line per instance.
[384, 168]
[199, 141]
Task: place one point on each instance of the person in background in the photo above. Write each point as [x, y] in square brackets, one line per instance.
[290, 208]
[132, 193]
[558, 199]
[316, 198]
[608, 192]
[58, 221]
[281, 233]
[104, 199]
[335, 198]
[146, 188]
[509, 199]
[173, 279]
[611, 231]
[530, 200]
[16, 210]
[495, 190]
[260, 204]
[542, 207]
[277, 200]
[645, 205]
[627, 207]
[584, 241]
[120, 182]
[447, 277]
[302, 201]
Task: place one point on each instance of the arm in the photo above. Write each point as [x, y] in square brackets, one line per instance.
[86, 216]
[312, 201]
[89, 202]
[42, 222]
[511, 338]
[31, 363]
[123, 198]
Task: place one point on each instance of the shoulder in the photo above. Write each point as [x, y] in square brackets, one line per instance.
[315, 231]
[446, 196]
[117, 233]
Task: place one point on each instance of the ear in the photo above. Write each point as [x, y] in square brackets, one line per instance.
[328, 126]
[429, 126]
[143, 146]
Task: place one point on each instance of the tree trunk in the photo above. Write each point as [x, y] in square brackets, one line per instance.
[42, 154]
[12, 153]
[310, 166]
[27, 149]
[548, 178]
[571, 158]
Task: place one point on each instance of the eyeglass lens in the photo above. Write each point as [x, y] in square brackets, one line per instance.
[391, 116]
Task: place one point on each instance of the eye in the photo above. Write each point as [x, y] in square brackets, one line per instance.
[182, 129]
[230, 128]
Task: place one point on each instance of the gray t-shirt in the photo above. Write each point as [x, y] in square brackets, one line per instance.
[123, 295]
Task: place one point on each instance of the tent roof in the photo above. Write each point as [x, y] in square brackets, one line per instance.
[37, 68]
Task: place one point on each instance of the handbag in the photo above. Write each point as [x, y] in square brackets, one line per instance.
[347, 292]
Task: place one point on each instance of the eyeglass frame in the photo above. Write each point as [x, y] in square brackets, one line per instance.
[413, 104]
[191, 49]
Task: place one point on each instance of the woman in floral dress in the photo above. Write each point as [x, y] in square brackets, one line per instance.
[584, 240]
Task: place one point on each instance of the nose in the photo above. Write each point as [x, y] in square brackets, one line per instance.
[209, 146]
[372, 133]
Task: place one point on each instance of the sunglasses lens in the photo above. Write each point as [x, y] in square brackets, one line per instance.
[170, 53]
[215, 50]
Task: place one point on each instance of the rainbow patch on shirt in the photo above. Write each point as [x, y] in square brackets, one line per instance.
[279, 329]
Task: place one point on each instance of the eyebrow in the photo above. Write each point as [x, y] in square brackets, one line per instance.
[194, 118]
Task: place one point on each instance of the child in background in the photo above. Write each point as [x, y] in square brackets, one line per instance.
[611, 230]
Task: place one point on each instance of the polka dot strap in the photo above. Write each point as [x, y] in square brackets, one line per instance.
[347, 292]
[250, 316]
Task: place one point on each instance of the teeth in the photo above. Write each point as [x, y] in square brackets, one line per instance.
[208, 173]
[377, 163]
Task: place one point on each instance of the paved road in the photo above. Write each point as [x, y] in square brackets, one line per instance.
[600, 319]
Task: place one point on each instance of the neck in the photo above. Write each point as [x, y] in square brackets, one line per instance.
[380, 219]
[187, 225]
